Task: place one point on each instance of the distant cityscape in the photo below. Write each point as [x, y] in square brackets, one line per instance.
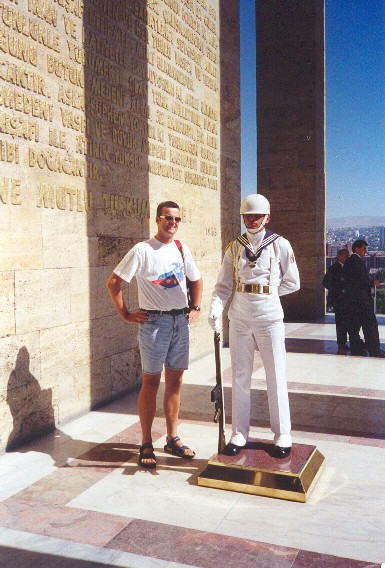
[343, 237]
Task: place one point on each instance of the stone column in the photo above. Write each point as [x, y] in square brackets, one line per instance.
[291, 137]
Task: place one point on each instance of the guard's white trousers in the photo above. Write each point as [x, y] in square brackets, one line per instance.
[245, 335]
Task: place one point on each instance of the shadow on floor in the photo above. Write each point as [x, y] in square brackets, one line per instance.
[16, 558]
[319, 346]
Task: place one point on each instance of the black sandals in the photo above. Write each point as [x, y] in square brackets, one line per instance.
[147, 456]
[172, 448]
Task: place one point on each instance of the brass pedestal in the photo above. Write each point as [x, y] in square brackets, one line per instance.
[255, 470]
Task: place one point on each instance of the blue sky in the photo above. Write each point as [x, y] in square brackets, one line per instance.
[355, 105]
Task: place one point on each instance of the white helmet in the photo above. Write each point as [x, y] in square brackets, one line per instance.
[255, 203]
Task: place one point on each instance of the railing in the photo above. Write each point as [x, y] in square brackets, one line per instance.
[379, 300]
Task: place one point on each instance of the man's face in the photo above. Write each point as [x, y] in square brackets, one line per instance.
[254, 220]
[361, 250]
[168, 227]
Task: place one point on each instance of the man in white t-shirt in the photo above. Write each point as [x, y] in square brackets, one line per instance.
[160, 266]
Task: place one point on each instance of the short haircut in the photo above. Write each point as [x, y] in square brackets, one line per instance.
[358, 244]
[171, 204]
[342, 251]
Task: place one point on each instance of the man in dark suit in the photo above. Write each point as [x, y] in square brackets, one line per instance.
[359, 300]
[334, 283]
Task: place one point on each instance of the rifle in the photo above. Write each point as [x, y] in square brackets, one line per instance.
[217, 394]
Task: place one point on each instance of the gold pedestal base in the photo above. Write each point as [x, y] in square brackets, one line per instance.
[256, 471]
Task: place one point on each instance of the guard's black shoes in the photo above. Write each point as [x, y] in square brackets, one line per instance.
[280, 452]
[231, 449]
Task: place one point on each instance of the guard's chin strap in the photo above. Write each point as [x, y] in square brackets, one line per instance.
[260, 228]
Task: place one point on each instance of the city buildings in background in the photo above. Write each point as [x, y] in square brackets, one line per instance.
[343, 237]
[382, 238]
[338, 238]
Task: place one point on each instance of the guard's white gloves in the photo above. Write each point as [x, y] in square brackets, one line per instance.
[215, 323]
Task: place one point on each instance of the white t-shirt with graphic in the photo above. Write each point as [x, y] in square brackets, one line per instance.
[160, 274]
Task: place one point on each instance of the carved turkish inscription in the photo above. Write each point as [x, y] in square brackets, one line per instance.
[91, 90]
[10, 191]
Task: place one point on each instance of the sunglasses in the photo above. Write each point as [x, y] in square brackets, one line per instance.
[171, 218]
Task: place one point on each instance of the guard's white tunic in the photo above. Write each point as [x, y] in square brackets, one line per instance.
[256, 321]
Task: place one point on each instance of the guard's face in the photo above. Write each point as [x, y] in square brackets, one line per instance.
[254, 220]
[168, 221]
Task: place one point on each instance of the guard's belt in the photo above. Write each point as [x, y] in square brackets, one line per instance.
[254, 288]
[169, 312]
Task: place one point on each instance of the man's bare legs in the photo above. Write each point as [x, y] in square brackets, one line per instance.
[147, 409]
[171, 404]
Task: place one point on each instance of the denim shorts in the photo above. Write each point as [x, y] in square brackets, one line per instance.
[164, 339]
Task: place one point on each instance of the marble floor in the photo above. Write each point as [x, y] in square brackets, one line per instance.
[77, 498]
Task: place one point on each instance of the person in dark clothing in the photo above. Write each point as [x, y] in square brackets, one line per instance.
[359, 302]
[334, 283]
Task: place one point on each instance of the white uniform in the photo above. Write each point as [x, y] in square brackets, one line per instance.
[256, 320]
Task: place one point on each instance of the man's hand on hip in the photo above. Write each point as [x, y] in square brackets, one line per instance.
[137, 316]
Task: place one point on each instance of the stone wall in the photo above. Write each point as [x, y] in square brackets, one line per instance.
[291, 137]
[106, 109]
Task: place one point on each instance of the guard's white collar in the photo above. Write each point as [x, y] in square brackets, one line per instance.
[256, 239]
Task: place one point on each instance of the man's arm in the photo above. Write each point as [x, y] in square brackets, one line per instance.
[223, 290]
[114, 285]
[362, 276]
[224, 286]
[196, 298]
[328, 278]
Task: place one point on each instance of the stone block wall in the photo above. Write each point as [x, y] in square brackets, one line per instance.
[291, 137]
[106, 109]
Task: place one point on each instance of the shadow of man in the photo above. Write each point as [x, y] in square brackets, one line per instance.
[30, 405]
[34, 417]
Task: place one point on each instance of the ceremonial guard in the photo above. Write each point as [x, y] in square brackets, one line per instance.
[258, 267]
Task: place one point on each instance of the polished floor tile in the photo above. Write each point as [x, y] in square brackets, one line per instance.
[203, 549]
[77, 498]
